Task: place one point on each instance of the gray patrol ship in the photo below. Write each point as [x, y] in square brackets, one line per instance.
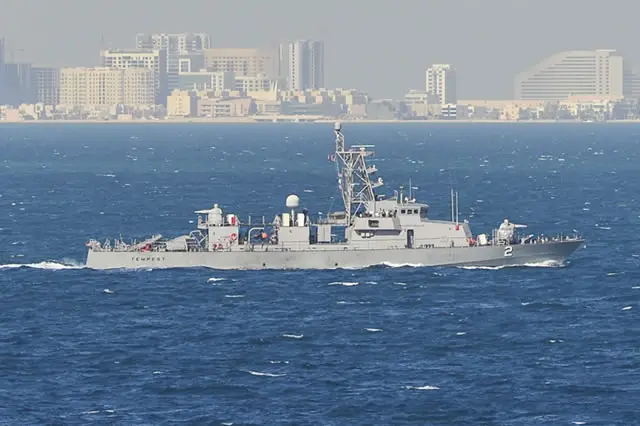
[372, 230]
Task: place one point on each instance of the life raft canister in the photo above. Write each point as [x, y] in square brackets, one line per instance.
[234, 236]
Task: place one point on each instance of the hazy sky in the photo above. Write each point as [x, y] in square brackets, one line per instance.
[380, 46]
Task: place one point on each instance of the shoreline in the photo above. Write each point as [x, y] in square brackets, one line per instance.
[251, 120]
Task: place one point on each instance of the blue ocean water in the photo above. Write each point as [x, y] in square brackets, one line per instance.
[383, 345]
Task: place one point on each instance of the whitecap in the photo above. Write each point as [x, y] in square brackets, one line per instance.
[426, 387]
[259, 373]
[373, 330]
[107, 291]
[461, 333]
[626, 308]
[344, 283]
[232, 296]
[293, 336]
[215, 280]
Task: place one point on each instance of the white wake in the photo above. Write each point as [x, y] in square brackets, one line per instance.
[543, 264]
[49, 265]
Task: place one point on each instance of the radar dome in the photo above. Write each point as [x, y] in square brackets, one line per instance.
[293, 201]
[215, 216]
[337, 125]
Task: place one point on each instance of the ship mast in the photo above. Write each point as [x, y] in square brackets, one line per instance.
[353, 176]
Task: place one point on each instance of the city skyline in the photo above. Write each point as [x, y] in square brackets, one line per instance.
[381, 50]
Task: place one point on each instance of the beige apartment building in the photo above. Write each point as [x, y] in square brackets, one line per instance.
[242, 62]
[574, 73]
[152, 59]
[182, 103]
[100, 86]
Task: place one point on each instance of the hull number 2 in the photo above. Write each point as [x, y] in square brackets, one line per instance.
[508, 251]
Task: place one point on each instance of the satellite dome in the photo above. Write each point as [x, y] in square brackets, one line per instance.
[337, 125]
[293, 201]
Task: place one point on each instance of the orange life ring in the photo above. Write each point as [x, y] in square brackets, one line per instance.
[234, 236]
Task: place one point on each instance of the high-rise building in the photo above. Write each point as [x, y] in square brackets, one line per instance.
[102, 86]
[17, 84]
[45, 83]
[631, 81]
[574, 73]
[174, 46]
[441, 82]
[2, 78]
[153, 59]
[242, 62]
[302, 63]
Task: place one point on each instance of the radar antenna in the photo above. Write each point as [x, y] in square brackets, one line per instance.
[353, 176]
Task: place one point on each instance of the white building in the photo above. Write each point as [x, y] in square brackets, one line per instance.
[441, 81]
[259, 83]
[179, 44]
[153, 59]
[102, 86]
[573, 73]
[302, 64]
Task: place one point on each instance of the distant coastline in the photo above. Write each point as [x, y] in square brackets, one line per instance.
[252, 120]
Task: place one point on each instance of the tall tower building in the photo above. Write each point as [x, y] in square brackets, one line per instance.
[17, 84]
[302, 63]
[2, 70]
[441, 82]
[573, 73]
[45, 83]
[174, 46]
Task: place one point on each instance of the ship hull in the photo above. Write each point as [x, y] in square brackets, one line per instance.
[332, 258]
